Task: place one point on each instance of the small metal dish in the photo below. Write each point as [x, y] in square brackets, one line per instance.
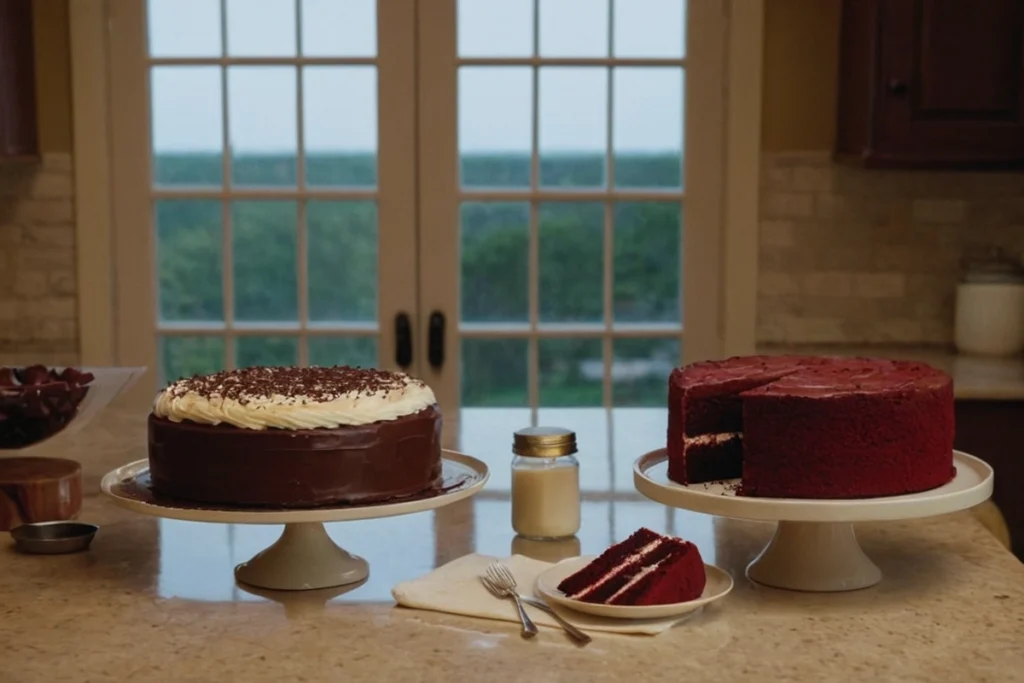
[53, 538]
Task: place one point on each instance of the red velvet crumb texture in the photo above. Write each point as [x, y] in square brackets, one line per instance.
[814, 427]
[679, 577]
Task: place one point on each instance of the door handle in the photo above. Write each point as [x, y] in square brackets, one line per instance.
[435, 340]
[403, 340]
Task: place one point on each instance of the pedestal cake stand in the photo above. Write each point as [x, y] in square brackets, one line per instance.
[304, 557]
[814, 547]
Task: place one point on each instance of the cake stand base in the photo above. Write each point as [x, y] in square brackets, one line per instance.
[814, 556]
[303, 558]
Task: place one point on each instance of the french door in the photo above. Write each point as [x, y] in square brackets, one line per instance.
[297, 179]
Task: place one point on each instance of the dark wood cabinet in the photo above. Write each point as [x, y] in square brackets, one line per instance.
[994, 431]
[932, 83]
[18, 133]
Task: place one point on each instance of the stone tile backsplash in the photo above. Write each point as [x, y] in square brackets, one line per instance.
[38, 286]
[853, 256]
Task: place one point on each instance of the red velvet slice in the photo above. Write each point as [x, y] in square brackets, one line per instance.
[680, 578]
[608, 560]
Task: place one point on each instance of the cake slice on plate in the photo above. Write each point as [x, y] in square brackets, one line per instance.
[645, 569]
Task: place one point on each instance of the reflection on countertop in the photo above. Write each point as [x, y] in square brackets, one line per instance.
[155, 600]
[974, 377]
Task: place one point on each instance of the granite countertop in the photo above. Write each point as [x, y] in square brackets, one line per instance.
[974, 377]
[154, 600]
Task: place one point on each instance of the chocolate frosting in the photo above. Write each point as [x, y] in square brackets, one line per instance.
[295, 468]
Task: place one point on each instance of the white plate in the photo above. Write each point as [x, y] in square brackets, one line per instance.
[719, 583]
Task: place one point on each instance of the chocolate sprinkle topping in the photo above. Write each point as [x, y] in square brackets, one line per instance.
[313, 384]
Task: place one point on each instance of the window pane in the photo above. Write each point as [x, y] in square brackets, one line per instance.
[571, 372]
[188, 356]
[356, 351]
[574, 28]
[573, 131]
[187, 125]
[494, 262]
[494, 372]
[650, 28]
[261, 28]
[571, 262]
[495, 155]
[640, 370]
[648, 127]
[340, 125]
[255, 351]
[265, 239]
[342, 261]
[495, 29]
[636, 431]
[339, 28]
[189, 239]
[184, 28]
[262, 125]
[648, 278]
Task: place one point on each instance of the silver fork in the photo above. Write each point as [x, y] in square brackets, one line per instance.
[499, 580]
[577, 635]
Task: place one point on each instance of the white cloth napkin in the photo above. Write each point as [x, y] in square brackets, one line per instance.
[455, 588]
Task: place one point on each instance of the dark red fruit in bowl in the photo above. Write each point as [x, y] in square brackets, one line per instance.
[36, 402]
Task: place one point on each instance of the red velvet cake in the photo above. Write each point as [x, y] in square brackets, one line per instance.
[645, 569]
[812, 427]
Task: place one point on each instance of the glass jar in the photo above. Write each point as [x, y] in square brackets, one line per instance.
[545, 483]
[549, 550]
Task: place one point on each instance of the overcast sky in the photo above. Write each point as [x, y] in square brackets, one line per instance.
[340, 102]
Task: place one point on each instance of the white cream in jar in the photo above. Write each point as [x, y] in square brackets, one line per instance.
[545, 483]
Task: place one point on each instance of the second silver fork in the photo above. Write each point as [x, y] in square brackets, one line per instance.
[502, 584]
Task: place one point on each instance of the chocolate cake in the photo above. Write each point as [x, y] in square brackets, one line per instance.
[645, 569]
[295, 437]
[812, 427]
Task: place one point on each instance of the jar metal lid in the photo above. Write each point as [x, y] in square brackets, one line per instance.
[544, 442]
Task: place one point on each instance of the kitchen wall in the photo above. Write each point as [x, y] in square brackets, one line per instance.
[848, 255]
[855, 256]
[38, 297]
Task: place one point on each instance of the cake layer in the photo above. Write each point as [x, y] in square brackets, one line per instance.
[295, 468]
[645, 569]
[812, 427]
[847, 445]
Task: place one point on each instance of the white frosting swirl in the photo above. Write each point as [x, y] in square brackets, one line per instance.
[180, 401]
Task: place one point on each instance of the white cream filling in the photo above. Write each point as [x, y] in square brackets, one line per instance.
[635, 557]
[636, 579]
[711, 439]
[294, 412]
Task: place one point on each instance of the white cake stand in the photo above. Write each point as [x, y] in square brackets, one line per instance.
[814, 547]
[304, 557]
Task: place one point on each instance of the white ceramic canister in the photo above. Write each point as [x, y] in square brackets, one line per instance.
[990, 306]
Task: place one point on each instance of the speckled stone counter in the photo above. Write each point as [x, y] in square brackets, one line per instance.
[155, 600]
[974, 377]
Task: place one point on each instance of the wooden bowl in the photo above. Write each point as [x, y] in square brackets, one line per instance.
[36, 490]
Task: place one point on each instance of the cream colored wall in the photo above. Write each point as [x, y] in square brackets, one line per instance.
[38, 288]
[849, 255]
[801, 57]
